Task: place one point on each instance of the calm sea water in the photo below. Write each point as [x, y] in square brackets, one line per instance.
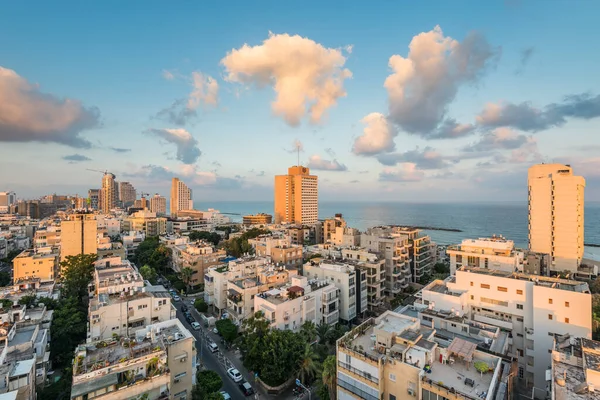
[475, 220]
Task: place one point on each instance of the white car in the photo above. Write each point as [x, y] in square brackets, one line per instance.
[213, 347]
[176, 298]
[215, 331]
[225, 395]
[234, 374]
[195, 326]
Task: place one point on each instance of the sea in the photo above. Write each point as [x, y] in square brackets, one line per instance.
[474, 220]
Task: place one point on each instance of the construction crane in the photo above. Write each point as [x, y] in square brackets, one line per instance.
[144, 194]
[105, 172]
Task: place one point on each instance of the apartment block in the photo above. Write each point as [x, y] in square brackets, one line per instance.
[158, 204]
[296, 197]
[108, 248]
[299, 301]
[109, 194]
[127, 194]
[575, 371]
[147, 222]
[422, 251]
[120, 303]
[495, 253]
[78, 235]
[279, 249]
[181, 197]
[40, 263]
[198, 256]
[131, 241]
[108, 225]
[93, 199]
[257, 219]
[7, 199]
[158, 362]
[374, 270]
[48, 237]
[395, 357]
[533, 309]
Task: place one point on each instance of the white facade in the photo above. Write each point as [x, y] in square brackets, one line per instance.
[264, 244]
[131, 241]
[112, 226]
[556, 215]
[491, 253]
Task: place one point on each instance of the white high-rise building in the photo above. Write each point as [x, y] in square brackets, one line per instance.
[6, 200]
[181, 197]
[556, 200]
[158, 204]
[109, 193]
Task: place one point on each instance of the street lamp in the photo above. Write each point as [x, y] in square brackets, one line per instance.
[298, 383]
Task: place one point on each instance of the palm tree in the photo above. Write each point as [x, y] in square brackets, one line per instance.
[328, 375]
[322, 331]
[186, 276]
[309, 331]
[308, 365]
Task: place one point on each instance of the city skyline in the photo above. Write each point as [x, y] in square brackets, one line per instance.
[150, 101]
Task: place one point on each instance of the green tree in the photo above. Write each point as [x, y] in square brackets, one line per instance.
[441, 268]
[28, 300]
[68, 329]
[308, 364]
[49, 302]
[252, 340]
[186, 276]
[207, 383]
[323, 392]
[329, 375]
[77, 273]
[11, 256]
[149, 273]
[337, 332]
[211, 237]
[5, 278]
[6, 303]
[323, 332]
[151, 252]
[200, 305]
[227, 329]
[309, 331]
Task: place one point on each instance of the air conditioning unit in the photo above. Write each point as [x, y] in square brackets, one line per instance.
[156, 308]
[411, 392]
[176, 380]
[184, 359]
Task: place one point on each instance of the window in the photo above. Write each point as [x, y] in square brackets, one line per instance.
[519, 319]
[392, 377]
[519, 306]
[549, 301]
[471, 283]
[520, 351]
[472, 297]
[493, 301]
[392, 397]
[502, 289]
[566, 320]
[485, 286]
[566, 304]
[519, 291]
[519, 335]
[550, 316]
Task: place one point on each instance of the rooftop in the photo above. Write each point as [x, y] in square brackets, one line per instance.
[572, 358]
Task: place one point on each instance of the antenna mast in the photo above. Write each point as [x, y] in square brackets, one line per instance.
[298, 149]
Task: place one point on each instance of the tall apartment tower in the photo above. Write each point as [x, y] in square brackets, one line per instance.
[109, 193]
[181, 197]
[93, 198]
[7, 199]
[158, 204]
[78, 235]
[556, 199]
[127, 194]
[296, 197]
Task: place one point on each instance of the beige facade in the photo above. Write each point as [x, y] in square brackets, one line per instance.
[181, 197]
[147, 222]
[40, 263]
[109, 194]
[556, 215]
[158, 204]
[257, 219]
[492, 253]
[49, 237]
[78, 235]
[127, 194]
[296, 197]
[198, 256]
[375, 274]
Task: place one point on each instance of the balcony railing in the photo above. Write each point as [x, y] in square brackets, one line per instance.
[353, 389]
[359, 372]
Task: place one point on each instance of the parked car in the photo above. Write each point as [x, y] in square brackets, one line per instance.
[189, 319]
[225, 395]
[215, 331]
[176, 298]
[246, 388]
[212, 346]
[184, 308]
[195, 326]
[234, 374]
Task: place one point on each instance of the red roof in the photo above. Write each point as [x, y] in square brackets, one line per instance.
[295, 289]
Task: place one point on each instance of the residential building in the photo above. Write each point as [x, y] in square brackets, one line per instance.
[299, 234]
[7, 199]
[198, 256]
[556, 215]
[157, 363]
[394, 249]
[575, 371]
[131, 241]
[78, 235]
[158, 204]
[257, 219]
[120, 302]
[181, 197]
[40, 263]
[108, 248]
[264, 244]
[109, 194]
[296, 197]
[19, 380]
[108, 225]
[374, 270]
[422, 252]
[395, 357]
[213, 217]
[531, 308]
[127, 194]
[141, 204]
[147, 222]
[491, 253]
[329, 227]
[279, 249]
[48, 237]
[345, 237]
[299, 301]
[94, 198]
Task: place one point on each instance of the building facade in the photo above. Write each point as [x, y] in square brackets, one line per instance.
[198, 256]
[109, 194]
[7, 199]
[181, 197]
[147, 222]
[491, 253]
[39, 263]
[78, 235]
[296, 197]
[93, 198]
[158, 204]
[257, 219]
[127, 194]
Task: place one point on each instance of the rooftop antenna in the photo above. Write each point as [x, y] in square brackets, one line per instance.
[298, 150]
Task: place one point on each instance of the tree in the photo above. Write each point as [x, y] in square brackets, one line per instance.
[149, 273]
[212, 237]
[11, 256]
[6, 303]
[207, 383]
[309, 331]
[227, 329]
[201, 305]
[28, 300]
[5, 279]
[151, 252]
[68, 330]
[308, 365]
[323, 332]
[329, 375]
[186, 276]
[77, 273]
[49, 302]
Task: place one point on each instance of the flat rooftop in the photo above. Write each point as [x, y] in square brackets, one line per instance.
[454, 376]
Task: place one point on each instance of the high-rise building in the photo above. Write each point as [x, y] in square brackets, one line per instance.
[158, 204]
[556, 199]
[127, 194]
[181, 197]
[93, 197]
[109, 193]
[78, 235]
[296, 197]
[6, 200]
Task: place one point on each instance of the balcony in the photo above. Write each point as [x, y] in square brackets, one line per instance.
[529, 333]
[358, 372]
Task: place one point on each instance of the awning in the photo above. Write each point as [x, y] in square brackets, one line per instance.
[462, 348]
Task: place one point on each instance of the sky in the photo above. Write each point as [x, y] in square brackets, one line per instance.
[428, 101]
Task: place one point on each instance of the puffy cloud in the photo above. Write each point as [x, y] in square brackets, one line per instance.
[528, 118]
[450, 129]
[119, 149]
[378, 136]
[407, 172]
[423, 84]
[307, 77]
[27, 114]
[191, 175]
[168, 75]
[187, 146]
[317, 163]
[76, 158]
[205, 91]
[151, 173]
[428, 158]
[498, 139]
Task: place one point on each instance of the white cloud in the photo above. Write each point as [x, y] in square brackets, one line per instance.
[428, 158]
[205, 91]
[187, 146]
[27, 115]
[168, 75]
[307, 77]
[317, 163]
[498, 139]
[407, 172]
[378, 136]
[423, 84]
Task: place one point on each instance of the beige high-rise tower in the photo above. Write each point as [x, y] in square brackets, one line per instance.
[158, 204]
[78, 235]
[556, 201]
[296, 197]
[181, 197]
[109, 193]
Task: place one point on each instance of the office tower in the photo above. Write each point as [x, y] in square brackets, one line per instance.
[6, 200]
[109, 193]
[158, 204]
[556, 198]
[93, 198]
[181, 197]
[296, 197]
[127, 194]
[78, 235]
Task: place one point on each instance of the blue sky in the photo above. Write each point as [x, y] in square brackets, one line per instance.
[80, 78]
